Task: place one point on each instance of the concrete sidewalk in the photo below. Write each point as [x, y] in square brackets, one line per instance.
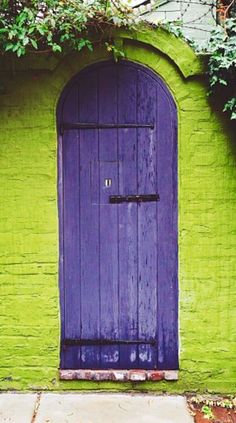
[92, 408]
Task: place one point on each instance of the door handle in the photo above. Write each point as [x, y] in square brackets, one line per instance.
[143, 198]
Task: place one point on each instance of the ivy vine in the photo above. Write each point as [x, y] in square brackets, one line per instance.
[220, 50]
[66, 25]
[58, 25]
[222, 65]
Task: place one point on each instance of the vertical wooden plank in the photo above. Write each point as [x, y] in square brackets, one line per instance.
[108, 219]
[127, 215]
[71, 230]
[61, 238]
[167, 232]
[89, 222]
[147, 222]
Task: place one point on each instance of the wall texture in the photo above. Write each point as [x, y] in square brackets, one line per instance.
[29, 294]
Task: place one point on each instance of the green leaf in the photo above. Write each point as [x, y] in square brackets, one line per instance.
[56, 48]
[20, 52]
[31, 30]
[34, 43]
[15, 47]
[25, 41]
[90, 46]
[9, 47]
[41, 30]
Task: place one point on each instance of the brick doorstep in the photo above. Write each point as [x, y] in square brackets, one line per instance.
[135, 375]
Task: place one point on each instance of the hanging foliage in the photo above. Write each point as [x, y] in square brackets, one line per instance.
[58, 25]
[222, 65]
[66, 25]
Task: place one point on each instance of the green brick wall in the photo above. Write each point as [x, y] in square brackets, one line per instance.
[29, 294]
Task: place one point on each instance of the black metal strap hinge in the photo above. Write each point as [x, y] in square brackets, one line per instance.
[84, 342]
[81, 125]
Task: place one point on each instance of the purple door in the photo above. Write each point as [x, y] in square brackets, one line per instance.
[118, 220]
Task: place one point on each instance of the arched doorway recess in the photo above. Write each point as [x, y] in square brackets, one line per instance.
[118, 220]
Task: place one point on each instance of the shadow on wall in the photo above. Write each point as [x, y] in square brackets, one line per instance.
[228, 126]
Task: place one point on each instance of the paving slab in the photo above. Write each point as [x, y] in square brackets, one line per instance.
[112, 408]
[17, 408]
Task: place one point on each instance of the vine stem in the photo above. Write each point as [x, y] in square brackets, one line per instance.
[228, 8]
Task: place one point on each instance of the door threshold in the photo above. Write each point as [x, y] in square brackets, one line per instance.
[134, 375]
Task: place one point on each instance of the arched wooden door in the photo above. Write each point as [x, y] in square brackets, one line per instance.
[118, 220]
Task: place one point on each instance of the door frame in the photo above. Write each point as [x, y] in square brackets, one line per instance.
[168, 327]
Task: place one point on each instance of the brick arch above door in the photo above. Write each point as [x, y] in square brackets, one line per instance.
[168, 56]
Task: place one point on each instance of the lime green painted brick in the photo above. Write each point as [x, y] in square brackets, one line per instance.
[29, 293]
